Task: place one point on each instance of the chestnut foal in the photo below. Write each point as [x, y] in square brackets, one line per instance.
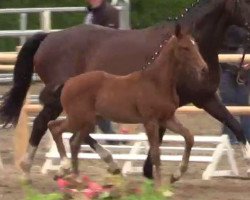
[148, 97]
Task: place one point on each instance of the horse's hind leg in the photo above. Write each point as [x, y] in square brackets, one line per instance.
[174, 125]
[57, 127]
[104, 154]
[49, 112]
[153, 139]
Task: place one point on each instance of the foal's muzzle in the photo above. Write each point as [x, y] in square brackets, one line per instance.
[202, 72]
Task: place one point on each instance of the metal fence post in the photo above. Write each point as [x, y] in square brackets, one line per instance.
[23, 27]
[45, 20]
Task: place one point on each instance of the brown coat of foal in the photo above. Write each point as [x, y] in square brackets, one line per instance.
[148, 96]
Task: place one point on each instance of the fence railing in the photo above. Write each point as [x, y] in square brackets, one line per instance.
[7, 60]
[45, 19]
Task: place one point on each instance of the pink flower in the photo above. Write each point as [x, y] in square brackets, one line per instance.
[62, 183]
[89, 193]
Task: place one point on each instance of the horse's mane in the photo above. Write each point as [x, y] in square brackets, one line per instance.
[195, 12]
[198, 10]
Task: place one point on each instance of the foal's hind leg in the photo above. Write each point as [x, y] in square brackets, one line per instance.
[153, 139]
[175, 126]
[57, 127]
[75, 144]
[104, 154]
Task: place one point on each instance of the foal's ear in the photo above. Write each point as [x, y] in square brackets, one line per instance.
[178, 31]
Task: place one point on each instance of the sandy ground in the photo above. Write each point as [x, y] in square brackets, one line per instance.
[189, 187]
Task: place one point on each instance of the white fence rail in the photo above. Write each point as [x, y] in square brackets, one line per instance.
[45, 19]
[137, 152]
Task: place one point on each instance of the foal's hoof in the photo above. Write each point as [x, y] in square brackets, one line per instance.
[25, 179]
[62, 173]
[56, 177]
[174, 178]
[25, 166]
[114, 171]
[248, 172]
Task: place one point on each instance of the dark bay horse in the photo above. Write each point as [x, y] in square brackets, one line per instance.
[58, 56]
[148, 96]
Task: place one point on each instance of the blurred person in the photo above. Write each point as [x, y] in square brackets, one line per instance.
[102, 13]
[231, 91]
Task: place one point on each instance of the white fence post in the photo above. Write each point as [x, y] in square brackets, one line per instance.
[124, 14]
[45, 20]
[23, 27]
[1, 163]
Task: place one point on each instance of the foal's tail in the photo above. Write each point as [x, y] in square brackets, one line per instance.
[14, 99]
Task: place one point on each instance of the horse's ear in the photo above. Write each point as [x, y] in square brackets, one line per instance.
[178, 31]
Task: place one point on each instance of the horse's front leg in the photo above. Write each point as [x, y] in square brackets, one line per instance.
[48, 113]
[51, 110]
[151, 128]
[215, 107]
[104, 154]
[57, 127]
[174, 125]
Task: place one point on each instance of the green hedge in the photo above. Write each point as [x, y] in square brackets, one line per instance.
[143, 13]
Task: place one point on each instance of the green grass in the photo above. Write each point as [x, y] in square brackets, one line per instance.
[32, 194]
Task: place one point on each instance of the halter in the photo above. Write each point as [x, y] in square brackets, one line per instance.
[240, 80]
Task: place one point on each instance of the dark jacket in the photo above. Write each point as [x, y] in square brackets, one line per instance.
[234, 41]
[104, 15]
[234, 38]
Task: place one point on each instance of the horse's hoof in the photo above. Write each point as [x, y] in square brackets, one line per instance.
[148, 172]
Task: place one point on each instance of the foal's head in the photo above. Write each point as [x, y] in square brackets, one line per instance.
[186, 55]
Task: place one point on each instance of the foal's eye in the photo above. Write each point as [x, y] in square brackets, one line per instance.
[185, 48]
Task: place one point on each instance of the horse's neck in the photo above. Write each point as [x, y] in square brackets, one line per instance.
[208, 24]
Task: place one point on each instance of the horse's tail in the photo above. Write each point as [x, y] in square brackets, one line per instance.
[23, 70]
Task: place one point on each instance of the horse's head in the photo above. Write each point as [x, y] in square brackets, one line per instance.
[186, 54]
[239, 11]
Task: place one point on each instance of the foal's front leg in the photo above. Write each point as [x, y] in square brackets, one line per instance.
[153, 139]
[174, 125]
